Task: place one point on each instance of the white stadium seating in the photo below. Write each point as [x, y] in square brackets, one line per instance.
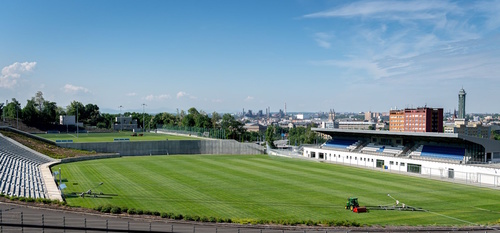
[20, 171]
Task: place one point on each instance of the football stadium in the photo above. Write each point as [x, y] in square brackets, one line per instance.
[390, 179]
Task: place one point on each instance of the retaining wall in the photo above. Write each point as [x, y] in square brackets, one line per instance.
[129, 148]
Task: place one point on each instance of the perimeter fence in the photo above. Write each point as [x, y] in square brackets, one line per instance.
[58, 222]
[193, 131]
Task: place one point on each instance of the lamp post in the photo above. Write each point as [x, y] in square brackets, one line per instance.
[143, 113]
[121, 120]
[77, 121]
[17, 115]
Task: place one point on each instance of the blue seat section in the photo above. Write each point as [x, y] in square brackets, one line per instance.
[443, 152]
[339, 143]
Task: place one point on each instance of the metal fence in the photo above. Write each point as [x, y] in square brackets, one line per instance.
[30, 222]
[193, 131]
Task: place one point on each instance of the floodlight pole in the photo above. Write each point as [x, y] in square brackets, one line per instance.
[143, 117]
[121, 120]
[76, 121]
[17, 116]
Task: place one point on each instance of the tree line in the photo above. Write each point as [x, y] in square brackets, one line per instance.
[41, 113]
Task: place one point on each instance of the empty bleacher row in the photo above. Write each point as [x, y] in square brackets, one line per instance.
[7, 146]
[342, 143]
[439, 152]
[371, 147]
[20, 171]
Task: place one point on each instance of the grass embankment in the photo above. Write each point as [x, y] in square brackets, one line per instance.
[109, 137]
[46, 148]
[253, 189]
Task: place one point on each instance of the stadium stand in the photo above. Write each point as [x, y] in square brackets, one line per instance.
[443, 152]
[393, 150]
[371, 147]
[20, 174]
[342, 143]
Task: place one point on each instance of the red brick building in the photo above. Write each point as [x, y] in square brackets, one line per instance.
[417, 120]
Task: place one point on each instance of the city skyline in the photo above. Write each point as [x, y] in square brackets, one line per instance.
[353, 56]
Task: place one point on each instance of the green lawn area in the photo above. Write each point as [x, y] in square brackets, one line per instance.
[274, 188]
[109, 137]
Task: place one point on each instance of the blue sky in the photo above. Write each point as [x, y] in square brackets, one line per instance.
[227, 55]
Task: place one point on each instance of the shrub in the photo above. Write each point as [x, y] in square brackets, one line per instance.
[148, 212]
[132, 211]
[156, 213]
[106, 209]
[164, 215]
[178, 216]
[116, 210]
[98, 208]
[124, 209]
[139, 212]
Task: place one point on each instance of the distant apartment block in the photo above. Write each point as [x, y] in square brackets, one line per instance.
[357, 125]
[416, 120]
[255, 127]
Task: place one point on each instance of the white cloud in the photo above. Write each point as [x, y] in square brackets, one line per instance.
[417, 9]
[157, 97]
[163, 96]
[131, 94]
[322, 39]
[249, 98]
[69, 88]
[182, 94]
[11, 73]
[217, 101]
[150, 97]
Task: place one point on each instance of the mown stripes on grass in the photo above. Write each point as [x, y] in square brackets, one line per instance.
[273, 188]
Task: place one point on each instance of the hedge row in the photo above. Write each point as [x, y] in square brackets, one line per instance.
[30, 199]
[132, 211]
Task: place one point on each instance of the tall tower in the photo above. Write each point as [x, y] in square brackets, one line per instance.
[461, 103]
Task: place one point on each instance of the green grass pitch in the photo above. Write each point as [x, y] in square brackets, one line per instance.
[274, 188]
[109, 137]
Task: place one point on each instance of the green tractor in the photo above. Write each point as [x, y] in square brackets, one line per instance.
[352, 202]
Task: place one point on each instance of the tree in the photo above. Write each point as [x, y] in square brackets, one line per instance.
[39, 101]
[215, 119]
[49, 112]
[270, 131]
[91, 114]
[12, 109]
[31, 115]
[233, 128]
[72, 109]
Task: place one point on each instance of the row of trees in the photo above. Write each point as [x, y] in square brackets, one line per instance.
[296, 136]
[41, 113]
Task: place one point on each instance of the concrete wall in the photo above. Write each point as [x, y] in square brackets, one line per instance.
[125, 148]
